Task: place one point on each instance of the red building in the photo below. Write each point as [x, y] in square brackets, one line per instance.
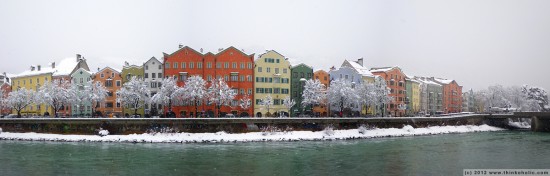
[452, 95]
[6, 87]
[231, 64]
[395, 80]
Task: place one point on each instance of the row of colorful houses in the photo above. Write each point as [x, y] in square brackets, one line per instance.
[271, 73]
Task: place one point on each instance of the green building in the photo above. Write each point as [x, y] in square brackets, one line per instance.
[129, 71]
[300, 73]
[81, 78]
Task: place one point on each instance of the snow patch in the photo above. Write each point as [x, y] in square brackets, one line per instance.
[522, 124]
[249, 137]
[103, 133]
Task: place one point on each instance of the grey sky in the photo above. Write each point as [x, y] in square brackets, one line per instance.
[478, 43]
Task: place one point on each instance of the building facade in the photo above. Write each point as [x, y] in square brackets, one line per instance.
[32, 79]
[395, 80]
[231, 64]
[413, 97]
[129, 71]
[81, 78]
[431, 96]
[112, 80]
[322, 110]
[5, 86]
[452, 95]
[299, 74]
[153, 75]
[272, 77]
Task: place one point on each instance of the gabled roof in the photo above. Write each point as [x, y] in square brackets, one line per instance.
[302, 65]
[426, 80]
[320, 70]
[183, 48]
[271, 51]
[444, 81]
[231, 47]
[63, 68]
[83, 70]
[112, 69]
[152, 59]
[358, 68]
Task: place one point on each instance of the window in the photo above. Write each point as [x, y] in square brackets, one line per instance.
[249, 91]
[191, 65]
[153, 85]
[249, 78]
[209, 77]
[276, 70]
[102, 75]
[118, 105]
[112, 75]
[30, 81]
[284, 91]
[276, 101]
[295, 74]
[37, 81]
[199, 64]
[175, 65]
[277, 60]
[81, 80]
[259, 90]
[219, 65]
[259, 69]
[242, 92]
[153, 75]
[160, 67]
[118, 83]
[258, 101]
[146, 75]
[242, 65]
[110, 94]
[242, 78]
[284, 70]
[234, 77]
[249, 65]
[183, 65]
[276, 90]
[109, 83]
[226, 78]
[268, 69]
[234, 64]
[167, 65]
[209, 65]
[146, 67]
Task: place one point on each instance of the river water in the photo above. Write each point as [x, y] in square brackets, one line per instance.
[421, 155]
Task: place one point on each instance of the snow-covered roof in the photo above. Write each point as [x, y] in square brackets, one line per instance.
[63, 68]
[381, 69]
[359, 68]
[444, 81]
[303, 65]
[426, 81]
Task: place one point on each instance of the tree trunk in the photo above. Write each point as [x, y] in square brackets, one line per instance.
[19, 113]
[196, 108]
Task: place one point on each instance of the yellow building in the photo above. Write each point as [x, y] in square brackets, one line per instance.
[32, 79]
[37, 75]
[415, 96]
[272, 77]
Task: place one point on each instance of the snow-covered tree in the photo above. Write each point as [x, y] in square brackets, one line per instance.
[267, 102]
[380, 93]
[367, 92]
[220, 94]
[245, 102]
[20, 99]
[314, 93]
[537, 94]
[168, 94]
[134, 94]
[342, 95]
[288, 103]
[194, 90]
[98, 94]
[56, 94]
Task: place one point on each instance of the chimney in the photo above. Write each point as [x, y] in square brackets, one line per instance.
[181, 46]
[53, 64]
[78, 57]
[32, 68]
[360, 61]
[97, 69]
[38, 68]
[332, 68]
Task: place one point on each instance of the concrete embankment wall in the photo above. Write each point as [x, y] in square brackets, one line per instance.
[231, 125]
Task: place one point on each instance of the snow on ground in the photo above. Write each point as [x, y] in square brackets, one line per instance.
[360, 133]
[522, 124]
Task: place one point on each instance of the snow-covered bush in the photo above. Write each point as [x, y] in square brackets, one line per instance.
[270, 130]
[408, 128]
[329, 130]
[103, 132]
[0, 130]
[221, 133]
[362, 129]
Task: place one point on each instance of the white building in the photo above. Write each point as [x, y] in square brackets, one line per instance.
[153, 71]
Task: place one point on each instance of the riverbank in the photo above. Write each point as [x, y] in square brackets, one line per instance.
[266, 135]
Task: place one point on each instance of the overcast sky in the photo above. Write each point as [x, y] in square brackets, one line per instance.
[478, 43]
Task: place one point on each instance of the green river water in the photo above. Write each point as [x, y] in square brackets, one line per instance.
[422, 155]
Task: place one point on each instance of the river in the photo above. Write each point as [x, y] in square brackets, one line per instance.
[444, 154]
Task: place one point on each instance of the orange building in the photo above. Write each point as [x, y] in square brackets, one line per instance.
[323, 77]
[112, 80]
[395, 80]
[452, 95]
[231, 64]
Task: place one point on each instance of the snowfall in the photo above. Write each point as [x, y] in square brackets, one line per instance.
[223, 137]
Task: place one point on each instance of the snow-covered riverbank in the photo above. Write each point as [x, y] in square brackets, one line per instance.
[327, 134]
